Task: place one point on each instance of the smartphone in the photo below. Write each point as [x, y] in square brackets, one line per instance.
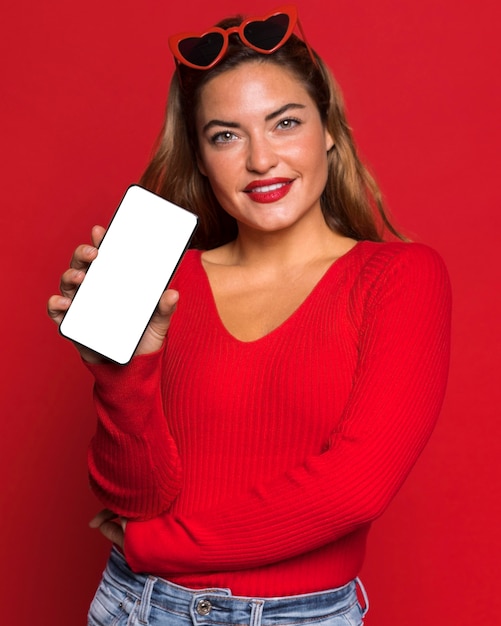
[137, 258]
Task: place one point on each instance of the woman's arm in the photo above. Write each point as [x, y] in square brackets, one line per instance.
[396, 398]
[133, 461]
[134, 465]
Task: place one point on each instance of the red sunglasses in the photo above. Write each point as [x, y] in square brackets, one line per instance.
[263, 34]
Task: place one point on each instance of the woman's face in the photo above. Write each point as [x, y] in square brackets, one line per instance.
[263, 146]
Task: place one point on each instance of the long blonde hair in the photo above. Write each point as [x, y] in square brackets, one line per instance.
[351, 201]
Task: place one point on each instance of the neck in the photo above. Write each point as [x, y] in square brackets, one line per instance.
[289, 247]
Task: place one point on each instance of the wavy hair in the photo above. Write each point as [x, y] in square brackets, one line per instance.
[351, 202]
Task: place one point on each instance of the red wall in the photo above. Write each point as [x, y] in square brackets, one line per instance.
[82, 91]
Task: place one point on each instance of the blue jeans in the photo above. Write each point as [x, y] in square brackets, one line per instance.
[127, 599]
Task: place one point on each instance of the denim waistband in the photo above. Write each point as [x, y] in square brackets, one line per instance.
[203, 605]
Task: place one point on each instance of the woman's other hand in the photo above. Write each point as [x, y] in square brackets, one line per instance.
[111, 526]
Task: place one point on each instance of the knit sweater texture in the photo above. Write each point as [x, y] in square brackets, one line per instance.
[259, 466]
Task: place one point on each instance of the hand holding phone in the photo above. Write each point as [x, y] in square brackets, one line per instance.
[137, 257]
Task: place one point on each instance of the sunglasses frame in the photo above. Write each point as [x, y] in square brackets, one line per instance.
[289, 10]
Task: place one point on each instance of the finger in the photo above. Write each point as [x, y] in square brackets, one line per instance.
[57, 307]
[97, 235]
[167, 303]
[85, 254]
[104, 515]
[161, 318]
[70, 280]
[113, 532]
[83, 257]
[154, 336]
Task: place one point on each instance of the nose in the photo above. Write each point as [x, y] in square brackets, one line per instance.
[261, 156]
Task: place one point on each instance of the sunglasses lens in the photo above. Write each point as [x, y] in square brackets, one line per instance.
[268, 34]
[201, 51]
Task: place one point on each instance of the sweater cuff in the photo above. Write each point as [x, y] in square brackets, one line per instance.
[141, 365]
[130, 393]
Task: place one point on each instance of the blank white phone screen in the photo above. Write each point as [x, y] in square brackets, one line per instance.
[137, 258]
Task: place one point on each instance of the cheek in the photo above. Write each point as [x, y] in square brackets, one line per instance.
[222, 168]
[314, 160]
[311, 152]
[213, 171]
[208, 167]
[221, 179]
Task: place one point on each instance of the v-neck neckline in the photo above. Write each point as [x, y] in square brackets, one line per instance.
[335, 267]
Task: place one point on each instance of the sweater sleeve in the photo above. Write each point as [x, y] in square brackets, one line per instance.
[134, 466]
[396, 397]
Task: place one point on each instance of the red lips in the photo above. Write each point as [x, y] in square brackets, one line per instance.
[269, 190]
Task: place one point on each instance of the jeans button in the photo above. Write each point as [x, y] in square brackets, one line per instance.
[204, 607]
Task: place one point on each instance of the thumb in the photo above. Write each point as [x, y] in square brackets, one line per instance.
[167, 303]
[161, 318]
[154, 335]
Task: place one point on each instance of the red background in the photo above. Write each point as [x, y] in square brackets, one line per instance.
[82, 90]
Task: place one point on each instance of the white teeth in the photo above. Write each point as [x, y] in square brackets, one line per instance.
[268, 188]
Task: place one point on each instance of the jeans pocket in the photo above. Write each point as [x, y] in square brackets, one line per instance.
[355, 616]
[111, 606]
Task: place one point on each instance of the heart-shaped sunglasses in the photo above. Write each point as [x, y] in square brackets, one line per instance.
[263, 34]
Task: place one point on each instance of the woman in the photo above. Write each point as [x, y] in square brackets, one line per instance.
[292, 373]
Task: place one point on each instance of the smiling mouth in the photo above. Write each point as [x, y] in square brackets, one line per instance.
[267, 191]
[267, 188]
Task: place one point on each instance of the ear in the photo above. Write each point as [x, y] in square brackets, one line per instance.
[329, 141]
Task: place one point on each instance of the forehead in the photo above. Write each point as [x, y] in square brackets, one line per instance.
[251, 87]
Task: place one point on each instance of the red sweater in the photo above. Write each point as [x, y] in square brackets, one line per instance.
[260, 465]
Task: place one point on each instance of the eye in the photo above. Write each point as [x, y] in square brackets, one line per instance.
[225, 136]
[288, 123]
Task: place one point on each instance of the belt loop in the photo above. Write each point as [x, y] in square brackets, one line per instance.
[365, 608]
[256, 612]
[143, 613]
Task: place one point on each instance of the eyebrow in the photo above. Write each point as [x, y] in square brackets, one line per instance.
[268, 118]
